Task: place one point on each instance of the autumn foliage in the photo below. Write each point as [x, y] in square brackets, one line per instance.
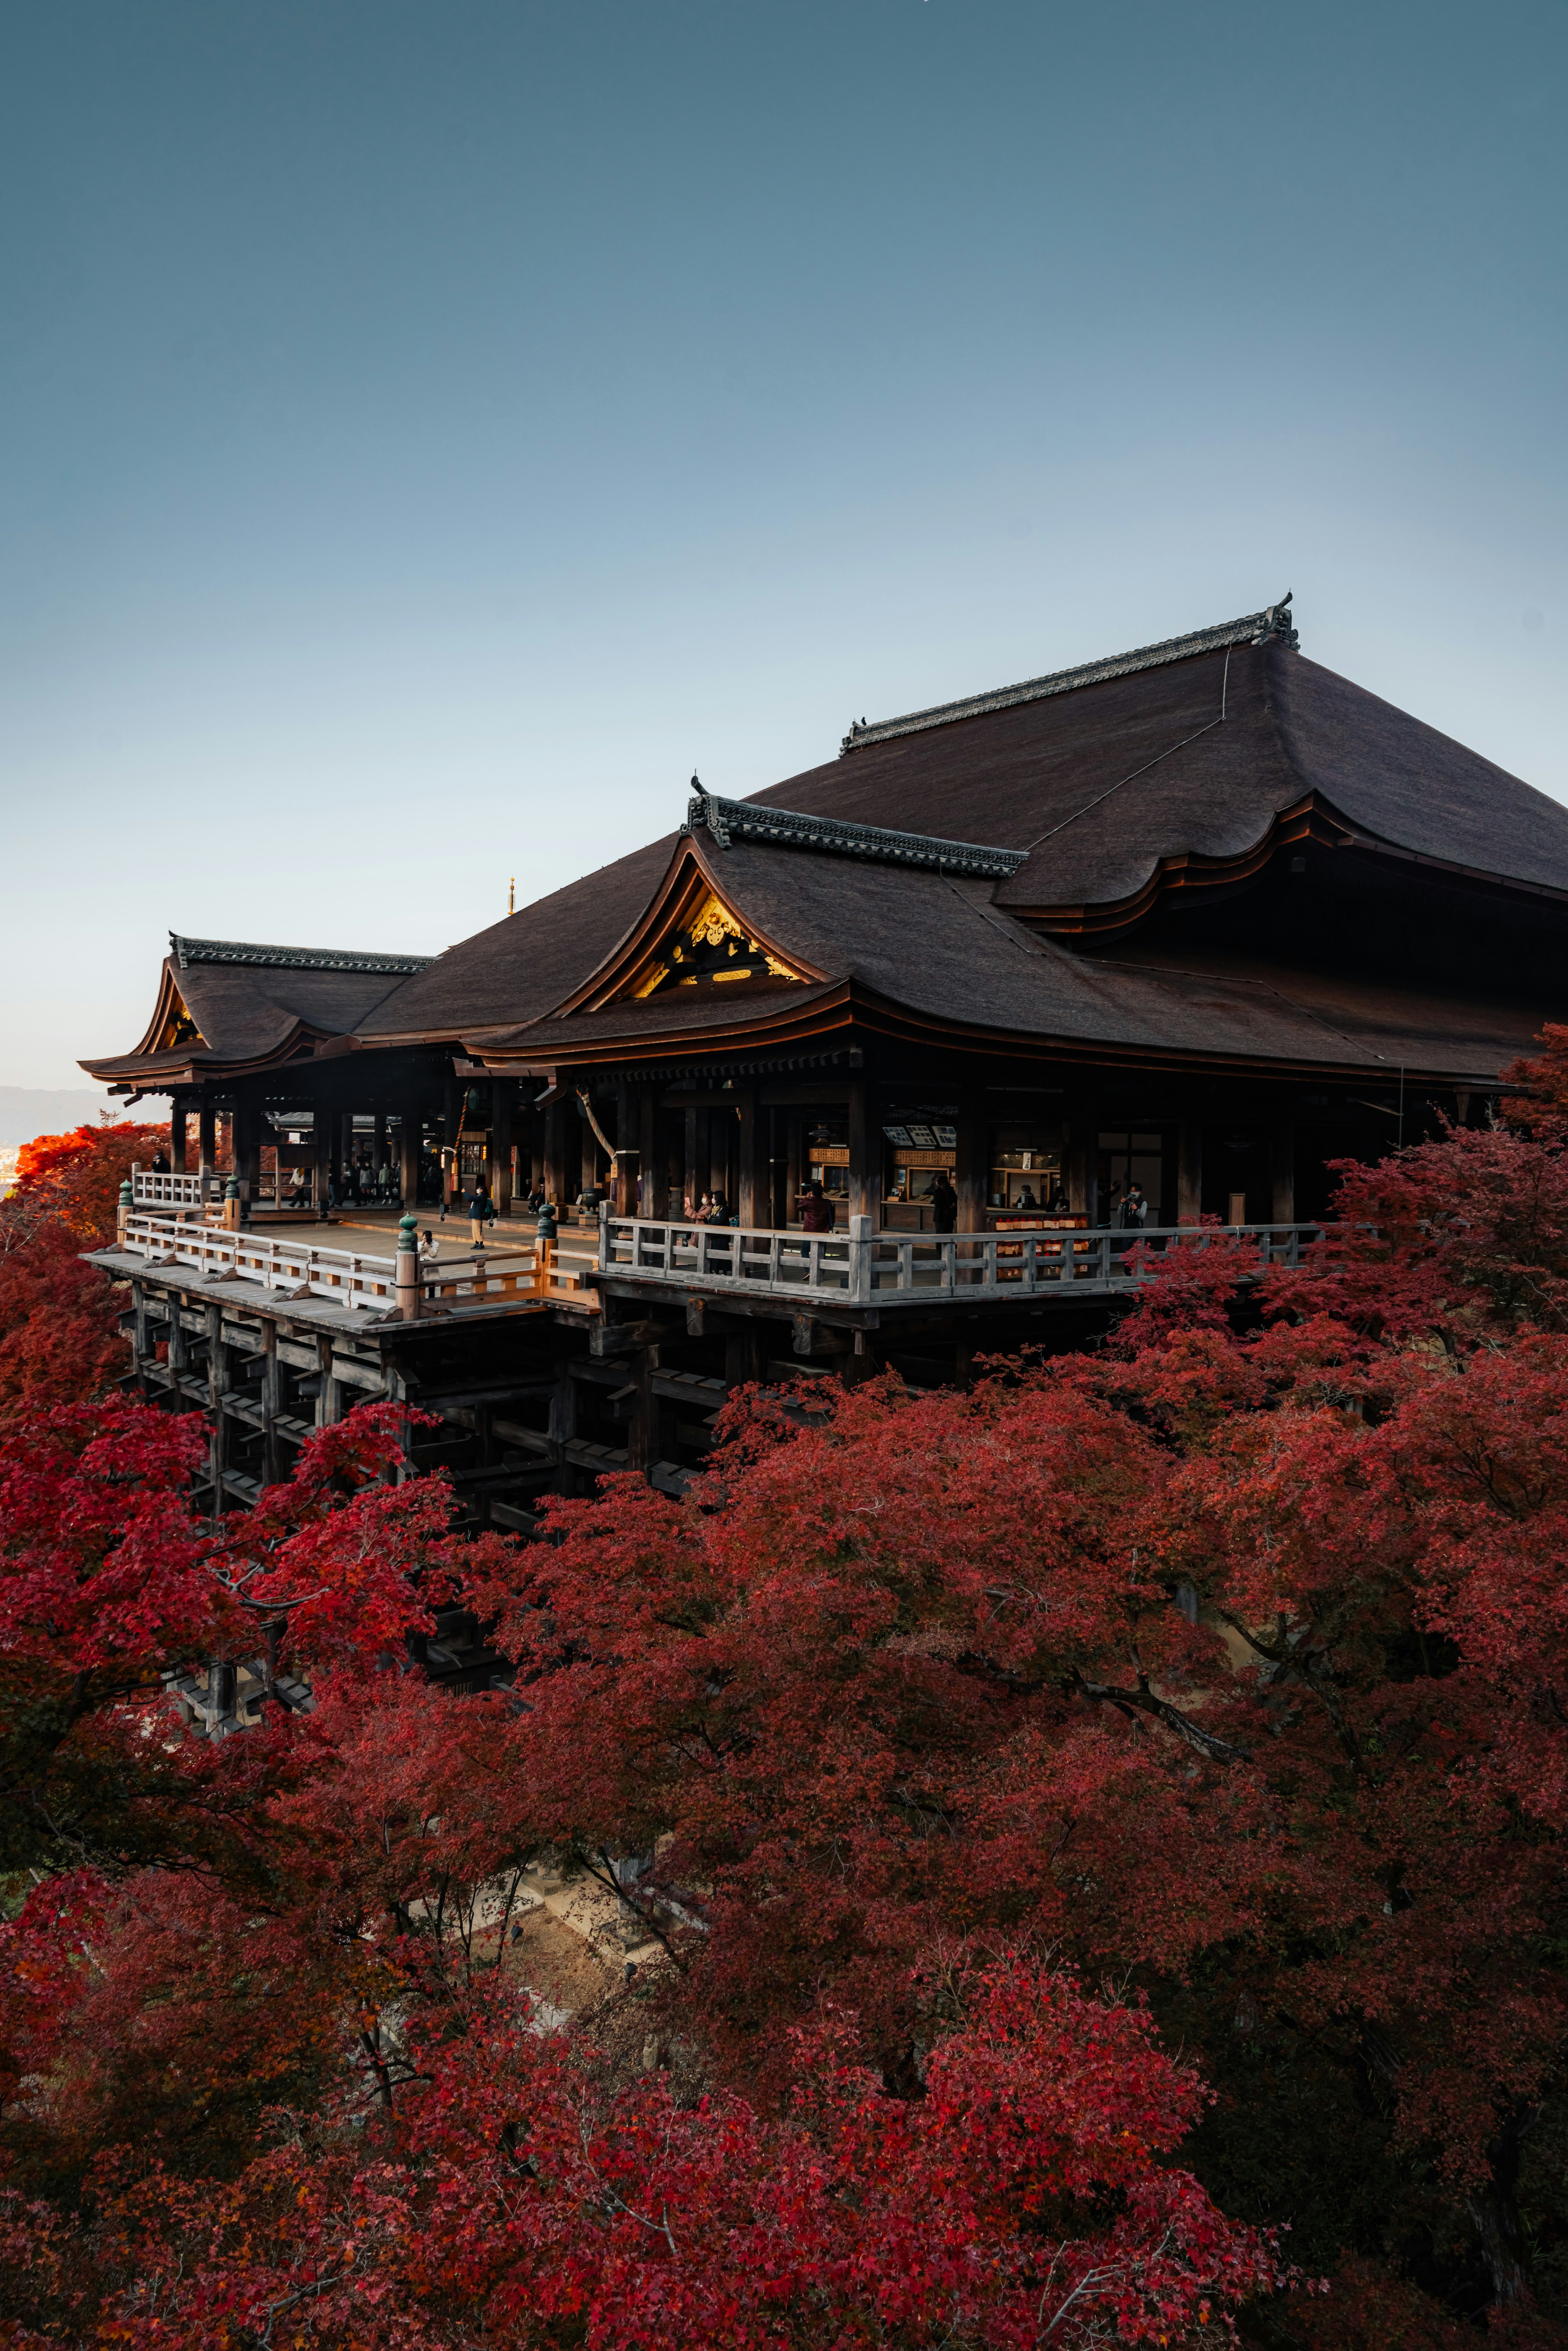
[58, 1337]
[1091, 1827]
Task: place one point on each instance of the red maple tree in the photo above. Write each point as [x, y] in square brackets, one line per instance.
[1223, 1665]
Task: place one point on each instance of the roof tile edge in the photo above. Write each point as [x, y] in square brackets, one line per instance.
[242, 951]
[1273, 624]
[731, 821]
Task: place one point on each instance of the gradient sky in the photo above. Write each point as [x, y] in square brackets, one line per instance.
[427, 432]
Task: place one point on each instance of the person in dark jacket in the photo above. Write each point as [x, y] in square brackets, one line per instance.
[1135, 1209]
[479, 1213]
[944, 1204]
[816, 1210]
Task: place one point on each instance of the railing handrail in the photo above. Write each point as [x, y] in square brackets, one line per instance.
[858, 1266]
[342, 1276]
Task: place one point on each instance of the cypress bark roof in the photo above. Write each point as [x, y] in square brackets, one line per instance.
[1078, 791]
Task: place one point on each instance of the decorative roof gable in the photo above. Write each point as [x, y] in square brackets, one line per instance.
[777, 827]
[1254, 629]
[240, 951]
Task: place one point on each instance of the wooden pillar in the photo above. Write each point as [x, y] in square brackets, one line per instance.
[271, 1406]
[379, 1151]
[653, 1186]
[754, 1202]
[450, 1127]
[206, 1140]
[555, 1150]
[563, 1422]
[245, 1155]
[691, 1189]
[972, 1162]
[502, 1092]
[641, 1430]
[864, 1188]
[589, 1146]
[1189, 1171]
[407, 1141]
[1081, 1153]
[793, 1168]
[217, 1389]
[628, 1146]
[1282, 1168]
[329, 1400]
[177, 1135]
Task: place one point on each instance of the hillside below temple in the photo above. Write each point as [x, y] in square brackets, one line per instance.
[1197, 919]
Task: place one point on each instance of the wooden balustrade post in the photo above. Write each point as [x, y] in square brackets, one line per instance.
[860, 1249]
[407, 1269]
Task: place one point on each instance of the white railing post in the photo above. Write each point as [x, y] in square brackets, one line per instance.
[860, 1261]
[407, 1285]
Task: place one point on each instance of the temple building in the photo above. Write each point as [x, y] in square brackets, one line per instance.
[1178, 928]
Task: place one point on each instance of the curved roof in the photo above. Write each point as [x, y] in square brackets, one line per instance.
[1085, 783]
[1197, 755]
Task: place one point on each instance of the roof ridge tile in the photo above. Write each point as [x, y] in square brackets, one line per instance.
[1273, 624]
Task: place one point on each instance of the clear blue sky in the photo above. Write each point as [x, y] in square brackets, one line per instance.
[427, 432]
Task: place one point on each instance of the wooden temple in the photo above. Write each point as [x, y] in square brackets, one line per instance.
[1198, 919]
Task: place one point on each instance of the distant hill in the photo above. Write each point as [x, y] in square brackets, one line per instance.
[28, 1111]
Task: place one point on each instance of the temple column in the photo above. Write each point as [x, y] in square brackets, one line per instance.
[206, 1140]
[407, 1151]
[1282, 1169]
[245, 1151]
[379, 1151]
[1190, 1172]
[502, 1090]
[691, 1187]
[866, 1191]
[653, 1186]
[1082, 1153]
[753, 1201]
[589, 1162]
[451, 1126]
[970, 1162]
[555, 1151]
[177, 1135]
[624, 1170]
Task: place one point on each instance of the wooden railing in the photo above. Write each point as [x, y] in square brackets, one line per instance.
[860, 1267]
[151, 1191]
[349, 1278]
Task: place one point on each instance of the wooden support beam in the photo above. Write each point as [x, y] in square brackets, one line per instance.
[206, 1140]
[271, 1406]
[562, 1424]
